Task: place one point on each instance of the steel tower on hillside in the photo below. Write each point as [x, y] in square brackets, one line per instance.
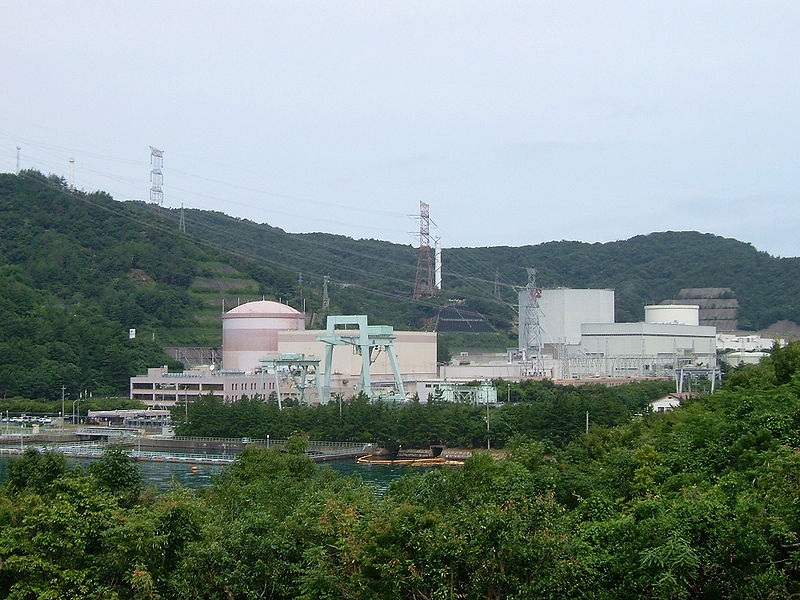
[424, 284]
[156, 176]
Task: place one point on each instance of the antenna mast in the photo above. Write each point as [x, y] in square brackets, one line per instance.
[424, 282]
[18, 150]
[156, 176]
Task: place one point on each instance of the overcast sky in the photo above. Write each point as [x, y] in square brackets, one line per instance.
[518, 122]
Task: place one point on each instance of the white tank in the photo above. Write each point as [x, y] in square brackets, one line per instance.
[250, 332]
[680, 314]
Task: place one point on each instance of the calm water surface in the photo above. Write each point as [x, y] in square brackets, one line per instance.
[163, 474]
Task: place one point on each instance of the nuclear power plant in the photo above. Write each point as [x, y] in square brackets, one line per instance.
[267, 351]
[567, 335]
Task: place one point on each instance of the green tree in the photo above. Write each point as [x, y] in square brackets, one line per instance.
[118, 474]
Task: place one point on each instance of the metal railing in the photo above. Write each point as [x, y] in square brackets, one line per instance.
[142, 455]
[271, 442]
[17, 444]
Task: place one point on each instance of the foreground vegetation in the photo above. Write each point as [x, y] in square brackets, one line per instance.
[698, 503]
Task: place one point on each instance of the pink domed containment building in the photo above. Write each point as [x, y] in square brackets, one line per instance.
[250, 331]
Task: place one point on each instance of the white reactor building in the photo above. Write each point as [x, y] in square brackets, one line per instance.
[562, 311]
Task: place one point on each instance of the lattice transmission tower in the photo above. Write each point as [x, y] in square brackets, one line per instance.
[156, 176]
[424, 284]
[532, 324]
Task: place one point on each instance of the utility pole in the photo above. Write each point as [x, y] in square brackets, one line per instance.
[18, 150]
[300, 299]
[437, 264]
[72, 173]
[63, 389]
[182, 222]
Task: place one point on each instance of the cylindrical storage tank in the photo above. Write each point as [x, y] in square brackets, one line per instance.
[680, 314]
[250, 332]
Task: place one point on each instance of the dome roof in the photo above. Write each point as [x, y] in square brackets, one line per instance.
[263, 308]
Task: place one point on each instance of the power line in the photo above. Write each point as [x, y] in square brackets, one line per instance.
[210, 245]
[306, 240]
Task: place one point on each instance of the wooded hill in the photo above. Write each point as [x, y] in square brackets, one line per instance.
[74, 264]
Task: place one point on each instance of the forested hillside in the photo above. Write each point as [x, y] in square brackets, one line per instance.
[650, 268]
[644, 269]
[126, 265]
[698, 503]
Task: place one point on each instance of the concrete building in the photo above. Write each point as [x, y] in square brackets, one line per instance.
[747, 342]
[563, 311]
[736, 359]
[160, 388]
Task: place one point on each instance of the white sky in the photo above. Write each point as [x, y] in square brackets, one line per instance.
[518, 122]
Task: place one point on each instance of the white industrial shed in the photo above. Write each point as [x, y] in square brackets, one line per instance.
[665, 343]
